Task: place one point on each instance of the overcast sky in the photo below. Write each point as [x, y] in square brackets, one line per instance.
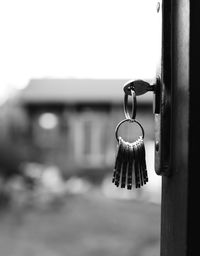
[77, 38]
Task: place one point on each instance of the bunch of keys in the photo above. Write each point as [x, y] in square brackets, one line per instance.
[130, 164]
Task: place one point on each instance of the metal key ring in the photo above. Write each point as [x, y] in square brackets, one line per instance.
[128, 120]
[134, 105]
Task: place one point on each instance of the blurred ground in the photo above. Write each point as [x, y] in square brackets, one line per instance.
[87, 224]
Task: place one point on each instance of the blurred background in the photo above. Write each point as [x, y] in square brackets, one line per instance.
[63, 65]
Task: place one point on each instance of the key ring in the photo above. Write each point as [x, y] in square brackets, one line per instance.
[134, 105]
[130, 163]
[128, 120]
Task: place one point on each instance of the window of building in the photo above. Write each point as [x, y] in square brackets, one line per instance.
[88, 136]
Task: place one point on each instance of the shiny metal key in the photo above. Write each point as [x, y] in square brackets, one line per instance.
[140, 160]
[130, 166]
[117, 159]
[144, 163]
[125, 164]
[137, 178]
[119, 165]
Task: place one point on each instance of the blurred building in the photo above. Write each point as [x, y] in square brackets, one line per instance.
[71, 123]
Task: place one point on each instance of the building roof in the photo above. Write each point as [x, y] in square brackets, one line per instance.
[76, 90]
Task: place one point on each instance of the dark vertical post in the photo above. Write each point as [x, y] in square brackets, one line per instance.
[194, 129]
[175, 188]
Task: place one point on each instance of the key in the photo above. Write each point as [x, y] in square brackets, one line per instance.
[137, 178]
[117, 158]
[140, 87]
[119, 165]
[125, 163]
[140, 164]
[130, 166]
[144, 163]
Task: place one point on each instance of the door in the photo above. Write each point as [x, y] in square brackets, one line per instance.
[179, 73]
